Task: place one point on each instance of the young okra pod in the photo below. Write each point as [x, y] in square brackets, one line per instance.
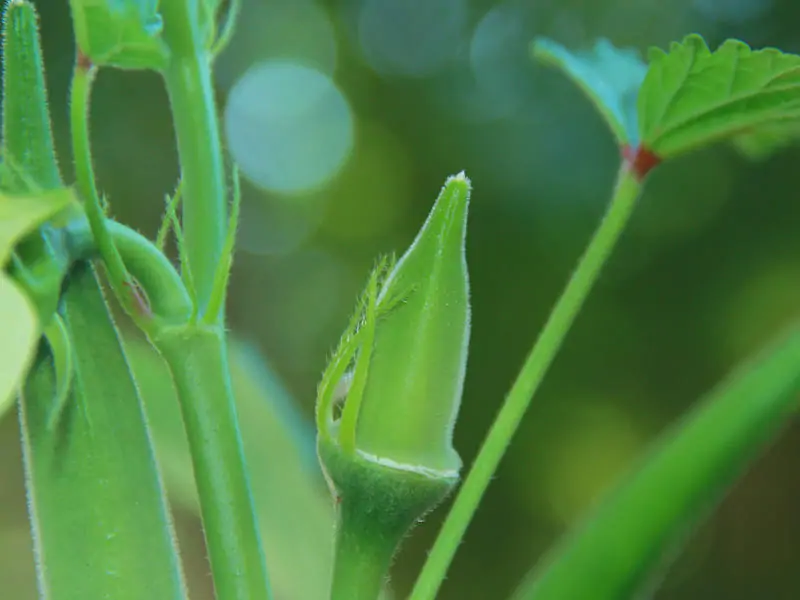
[389, 455]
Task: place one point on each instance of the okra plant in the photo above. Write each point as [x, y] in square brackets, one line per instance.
[389, 399]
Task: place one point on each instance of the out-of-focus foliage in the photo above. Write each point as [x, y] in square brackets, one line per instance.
[708, 271]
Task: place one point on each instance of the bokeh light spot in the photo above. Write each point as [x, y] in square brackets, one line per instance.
[413, 38]
[288, 126]
[499, 60]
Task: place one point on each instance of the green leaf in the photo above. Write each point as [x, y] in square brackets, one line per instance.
[692, 97]
[609, 76]
[620, 549]
[293, 505]
[27, 137]
[20, 333]
[21, 215]
[98, 512]
[125, 34]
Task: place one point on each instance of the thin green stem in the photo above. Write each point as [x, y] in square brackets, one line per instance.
[227, 28]
[118, 276]
[167, 296]
[171, 206]
[530, 377]
[188, 81]
[216, 304]
[197, 358]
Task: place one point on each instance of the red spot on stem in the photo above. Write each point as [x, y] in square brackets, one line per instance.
[83, 62]
[640, 160]
[140, 301]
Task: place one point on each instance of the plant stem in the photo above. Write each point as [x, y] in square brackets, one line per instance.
[165, 290]
[191, 95]
[362, 559]
[198, 360]
[196, 353]
[530, 377]
[118, 276]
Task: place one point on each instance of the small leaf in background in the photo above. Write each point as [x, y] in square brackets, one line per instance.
[97, 508]
[692, 96]
[18, 342]
[620, 550]
[125, 34]
[293, 505]
[609, 76]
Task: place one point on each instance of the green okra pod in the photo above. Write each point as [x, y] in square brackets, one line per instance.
[389, 457]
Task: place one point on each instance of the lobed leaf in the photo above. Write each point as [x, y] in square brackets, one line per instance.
[620, 549]
[692, 96]
[99, 516]
[609, 76]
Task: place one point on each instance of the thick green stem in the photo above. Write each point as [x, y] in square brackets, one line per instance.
[196, 353]
[530, 377]
[362, 558]
[198, 360]
[191, 95]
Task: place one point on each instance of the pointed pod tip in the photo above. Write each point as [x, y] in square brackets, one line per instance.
[461, 182]
[12, 5]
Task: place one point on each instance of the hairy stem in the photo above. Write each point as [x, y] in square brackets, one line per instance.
[197, 353]
[191, 95]
[362, 559]
[118, 276]
[530, 377]
[197, 358]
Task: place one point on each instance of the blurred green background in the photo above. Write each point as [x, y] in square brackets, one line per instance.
[346, 117]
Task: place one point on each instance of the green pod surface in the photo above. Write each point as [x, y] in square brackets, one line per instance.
[30, 169]
[100, 520]
[27, 135]
[416, 373]
[389, 458]
[125, 34]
